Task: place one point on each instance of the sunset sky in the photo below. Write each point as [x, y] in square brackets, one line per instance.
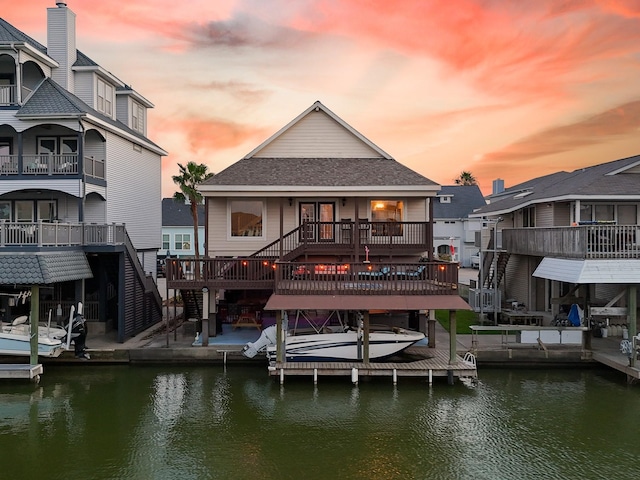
[500, 88]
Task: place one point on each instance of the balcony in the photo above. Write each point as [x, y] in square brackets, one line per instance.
[49, 165]
[312, 278]
[44, 234]
[597, 241]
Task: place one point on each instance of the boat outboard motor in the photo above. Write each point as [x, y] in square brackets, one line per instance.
[78, 334]
[268, 337]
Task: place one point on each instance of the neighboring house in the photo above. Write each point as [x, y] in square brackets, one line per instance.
[79, 182]
[453, 230]
[177, 229]
[568, 237]
[320, 218]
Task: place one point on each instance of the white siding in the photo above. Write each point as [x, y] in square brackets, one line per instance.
[133, 191]
[85, 87]
[95, 210]
[317, 136]
[122, 109]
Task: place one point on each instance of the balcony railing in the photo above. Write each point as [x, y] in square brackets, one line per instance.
[49, 164]
[8, 95]
[44, 234]
[306, 278]
[581, 241]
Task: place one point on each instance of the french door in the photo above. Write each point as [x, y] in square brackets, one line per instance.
[312, 218]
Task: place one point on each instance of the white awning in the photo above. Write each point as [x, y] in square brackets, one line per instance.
[589, 270]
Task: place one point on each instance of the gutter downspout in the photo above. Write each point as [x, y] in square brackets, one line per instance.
[83, 185]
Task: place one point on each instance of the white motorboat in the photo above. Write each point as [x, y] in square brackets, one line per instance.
[15, 340]
[343, 345]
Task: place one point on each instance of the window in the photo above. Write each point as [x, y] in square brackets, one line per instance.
[105, 98]
[182, 241]
[529, 217]
[5, 211]
[388, 211]
[166, 243]
[24, 211]
[47, 211]
[246, 218]
[137, 117]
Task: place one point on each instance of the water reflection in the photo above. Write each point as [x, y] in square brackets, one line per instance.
[210, 423]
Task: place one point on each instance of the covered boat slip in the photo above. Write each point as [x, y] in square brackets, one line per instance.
[427, 362]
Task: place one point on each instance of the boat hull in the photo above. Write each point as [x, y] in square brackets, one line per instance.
[19, 345]
[344, 346]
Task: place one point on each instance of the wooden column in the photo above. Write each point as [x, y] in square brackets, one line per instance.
[35, 319]
[431, 329]
[633, 328]
[279, 337]
[365, 350]
[452, 336]
[205, 317]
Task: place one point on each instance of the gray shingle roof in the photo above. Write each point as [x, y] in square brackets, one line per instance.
[178, 214]
[589, 182]
[43, 268]
[321, 172]
[9, 33]
[83, 61]
[49, 99]
[464, 200]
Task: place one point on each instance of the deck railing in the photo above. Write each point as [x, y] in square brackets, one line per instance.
[312, 278]
[8, 95]
[580, 241]
[50, 165]
[45, 234]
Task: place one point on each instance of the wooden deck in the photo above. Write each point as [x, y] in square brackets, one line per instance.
[434, 363]
[21, 370]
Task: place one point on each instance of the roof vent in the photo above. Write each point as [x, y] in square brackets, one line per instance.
[61, 4]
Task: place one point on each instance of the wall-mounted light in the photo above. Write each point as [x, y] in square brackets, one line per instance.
[290, 201]
[344, 201]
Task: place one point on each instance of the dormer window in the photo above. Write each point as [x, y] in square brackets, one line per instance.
[137, 117]
[445, 198]
[105, 98]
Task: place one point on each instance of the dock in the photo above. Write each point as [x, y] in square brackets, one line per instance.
[21, 370]
[433, 364]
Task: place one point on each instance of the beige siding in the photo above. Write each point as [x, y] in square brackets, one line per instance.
[561, 214]
[317, 136]
[133, 191]
[517, 278]
[544, 215]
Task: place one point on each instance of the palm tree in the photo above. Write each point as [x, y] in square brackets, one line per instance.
[466, 178]
[190, 177]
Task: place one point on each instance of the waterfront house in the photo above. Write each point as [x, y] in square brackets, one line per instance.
[565, 238]
[318, 218]
[177, 229]
[454, 233]
[80, 212]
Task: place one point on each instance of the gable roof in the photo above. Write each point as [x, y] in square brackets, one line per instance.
[178, 214]
[619, 179]
[10, 34]
[317, 106]
[464, 200]
[332, 172]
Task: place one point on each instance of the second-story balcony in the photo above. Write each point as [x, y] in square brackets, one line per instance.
[44, 234]
[583, 241]
[313, 278]
[49, 165]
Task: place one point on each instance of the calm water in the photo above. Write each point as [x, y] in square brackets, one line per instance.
[204, 423]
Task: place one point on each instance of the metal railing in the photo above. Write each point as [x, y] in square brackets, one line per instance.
[45, 234]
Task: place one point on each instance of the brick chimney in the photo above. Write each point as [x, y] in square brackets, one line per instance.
[61, 43]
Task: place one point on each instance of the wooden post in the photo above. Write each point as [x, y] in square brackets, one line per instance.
[452, 336]
[279, 352]
[35, 319]
[431, 329]
[633, 328]
[205, 317]
[365, 353]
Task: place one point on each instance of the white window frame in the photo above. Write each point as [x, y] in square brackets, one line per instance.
[137, 117]
[28, 205]
[245, 238]
[166, 242]
[50, 207]
[104, 97]
[179, 241]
